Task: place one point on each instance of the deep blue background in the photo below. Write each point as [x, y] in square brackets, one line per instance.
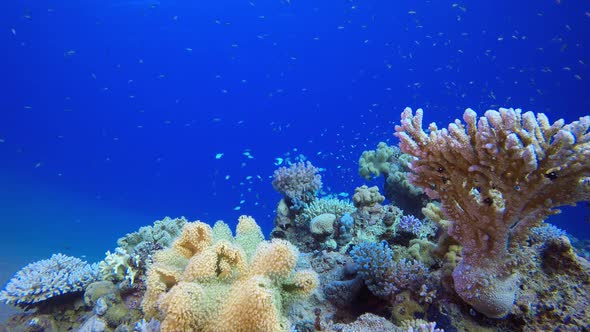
[112, 112]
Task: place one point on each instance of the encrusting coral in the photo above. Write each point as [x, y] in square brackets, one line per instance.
[228, 284]
[497, 177]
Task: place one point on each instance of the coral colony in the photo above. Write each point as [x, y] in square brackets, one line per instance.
[460, 245]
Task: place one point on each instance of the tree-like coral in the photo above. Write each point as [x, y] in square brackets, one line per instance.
[497, 177]
[232, 284]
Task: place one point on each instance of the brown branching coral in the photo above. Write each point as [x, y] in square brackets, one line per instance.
[497, 177]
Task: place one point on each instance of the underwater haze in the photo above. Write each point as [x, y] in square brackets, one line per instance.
[117, 113]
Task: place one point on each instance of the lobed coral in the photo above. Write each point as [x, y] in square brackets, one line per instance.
[237, 284]
[44, 279]
[365, 196]
[497, 177]
[378, 161]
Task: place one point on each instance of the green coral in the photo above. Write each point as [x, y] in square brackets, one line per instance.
[377, 162]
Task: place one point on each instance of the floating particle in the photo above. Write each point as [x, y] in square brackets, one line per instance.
[227, 177]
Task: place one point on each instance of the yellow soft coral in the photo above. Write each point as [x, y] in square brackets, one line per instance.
[276, 259]
[254, 306]
[181, 307]
[248, 235]
[195, 237]
[218, 288]
[218, 261]
[303, 283]
[159, 280]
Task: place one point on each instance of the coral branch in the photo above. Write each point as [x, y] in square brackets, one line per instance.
[497, 177]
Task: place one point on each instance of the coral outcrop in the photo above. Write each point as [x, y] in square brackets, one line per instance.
[497, 177]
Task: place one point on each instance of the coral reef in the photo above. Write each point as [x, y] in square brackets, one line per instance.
[48, 278]
[497, 178]
[477, 257]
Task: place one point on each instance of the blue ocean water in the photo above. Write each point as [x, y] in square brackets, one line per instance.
[116, 113]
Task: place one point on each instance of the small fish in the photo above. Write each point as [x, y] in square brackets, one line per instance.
[227, 177]
[343, 194]
[237, 208]
[218, 156]
[278, 161]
